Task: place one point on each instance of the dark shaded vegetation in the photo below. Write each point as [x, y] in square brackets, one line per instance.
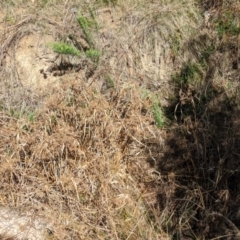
[200, 167]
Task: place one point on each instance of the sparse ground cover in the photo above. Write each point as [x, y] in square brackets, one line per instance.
[119, 119]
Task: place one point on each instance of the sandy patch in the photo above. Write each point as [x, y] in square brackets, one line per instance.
[33, 57]
[22, 226]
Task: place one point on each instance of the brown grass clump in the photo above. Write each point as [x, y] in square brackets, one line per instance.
[78, 164]
[72, 157]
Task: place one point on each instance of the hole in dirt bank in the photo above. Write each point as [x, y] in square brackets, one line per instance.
[29, 57]
[30, 68]
[33, 65]
[23, 54]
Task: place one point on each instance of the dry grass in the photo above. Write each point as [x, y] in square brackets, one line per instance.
[76, 164]
[81, 154]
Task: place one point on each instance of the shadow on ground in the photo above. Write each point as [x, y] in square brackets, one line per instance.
[199, 191]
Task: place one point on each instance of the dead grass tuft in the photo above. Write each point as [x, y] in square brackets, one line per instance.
[77, 165]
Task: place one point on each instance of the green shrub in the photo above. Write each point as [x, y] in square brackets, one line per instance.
[156, 108]
[228, 24]
[64, 48]
[86, 24]
[93, 54]
[109, 81]
[189, 74]
[158, 115]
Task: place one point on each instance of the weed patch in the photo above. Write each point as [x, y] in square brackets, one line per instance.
[93, 54]
[63, 48]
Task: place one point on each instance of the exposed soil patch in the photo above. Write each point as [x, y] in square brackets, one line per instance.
[26, 53]
[27, 225]
[32, 55]
[39, 67]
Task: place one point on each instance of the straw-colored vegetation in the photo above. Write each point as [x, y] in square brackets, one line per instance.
[119, 119]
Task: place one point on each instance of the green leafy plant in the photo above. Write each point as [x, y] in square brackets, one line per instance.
[86, 24]
[189, 73]
[64, 48]
[158, 115]
[156, 108]
[207, 52]
[94, 22]
[109, 81]
[43, 3]
[10, 19]
[31, 117]
[227, 24]
[93, 54]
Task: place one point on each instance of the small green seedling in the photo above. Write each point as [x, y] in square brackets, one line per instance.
[86, 24]
[93, 54]
[63, 48]
[158, 115]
